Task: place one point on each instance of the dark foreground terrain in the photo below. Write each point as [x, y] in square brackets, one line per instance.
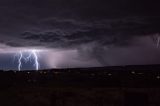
[104, 86]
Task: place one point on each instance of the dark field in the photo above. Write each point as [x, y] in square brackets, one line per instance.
[107, 86]
[67, 96]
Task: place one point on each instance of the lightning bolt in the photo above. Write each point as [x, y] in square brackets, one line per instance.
[20, 61]
[36, 59]
[31, 57]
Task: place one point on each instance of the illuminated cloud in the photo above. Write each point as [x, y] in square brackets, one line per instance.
[80, 33]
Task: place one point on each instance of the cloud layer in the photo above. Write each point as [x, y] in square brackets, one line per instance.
[88, 33]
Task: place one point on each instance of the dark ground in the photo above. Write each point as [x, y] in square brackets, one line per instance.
[107, 86]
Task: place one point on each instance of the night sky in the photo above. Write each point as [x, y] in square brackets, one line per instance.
[79, 33]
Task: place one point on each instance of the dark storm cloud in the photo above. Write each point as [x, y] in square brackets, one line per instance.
[105, 32]
[75, 17]
[97, 29]
[76, 22]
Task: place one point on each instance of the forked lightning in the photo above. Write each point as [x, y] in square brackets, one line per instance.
[32, 57]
